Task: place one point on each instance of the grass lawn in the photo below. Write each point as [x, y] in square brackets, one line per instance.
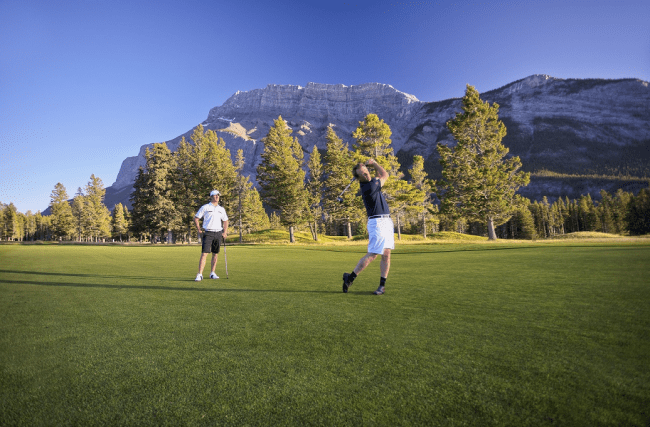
[468, 333]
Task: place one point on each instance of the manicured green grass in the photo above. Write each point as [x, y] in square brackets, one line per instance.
[550, 333]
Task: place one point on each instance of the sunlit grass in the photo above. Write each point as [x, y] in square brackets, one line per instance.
[470, 333]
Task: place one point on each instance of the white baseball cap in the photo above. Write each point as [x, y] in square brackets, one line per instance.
[214, 193]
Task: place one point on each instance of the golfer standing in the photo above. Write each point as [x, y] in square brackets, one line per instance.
[215, 224]
[380, 225]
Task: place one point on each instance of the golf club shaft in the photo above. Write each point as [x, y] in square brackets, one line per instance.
[346, 188]
[225, 256]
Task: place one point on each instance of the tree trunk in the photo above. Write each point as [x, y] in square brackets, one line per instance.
[424, 225]
[348, 227]
[314, 230]
[399, 229]
[492, 235]
[291, 238]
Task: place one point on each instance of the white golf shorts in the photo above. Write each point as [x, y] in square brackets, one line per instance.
[381, 233]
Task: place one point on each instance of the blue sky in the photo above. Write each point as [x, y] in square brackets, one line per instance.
[85, 83]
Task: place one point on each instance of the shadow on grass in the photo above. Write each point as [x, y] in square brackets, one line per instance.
[398, 251]
[162, 288]
[41, 273]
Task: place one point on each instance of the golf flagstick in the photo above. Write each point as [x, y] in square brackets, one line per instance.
[225, 256]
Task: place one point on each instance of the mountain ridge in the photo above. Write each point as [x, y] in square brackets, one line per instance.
[563, 125]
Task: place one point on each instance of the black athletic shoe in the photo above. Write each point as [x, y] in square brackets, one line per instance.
[346, 284]
[380, 291]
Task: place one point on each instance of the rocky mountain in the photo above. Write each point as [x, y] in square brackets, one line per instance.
[562, 125]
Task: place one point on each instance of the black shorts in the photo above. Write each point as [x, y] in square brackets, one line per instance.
[211, 242]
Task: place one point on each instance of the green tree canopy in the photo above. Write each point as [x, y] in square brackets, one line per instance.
[281, 176]
[479, 181]
[62, 221]
[337, 174]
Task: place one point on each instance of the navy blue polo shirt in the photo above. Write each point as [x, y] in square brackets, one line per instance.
[373, 198]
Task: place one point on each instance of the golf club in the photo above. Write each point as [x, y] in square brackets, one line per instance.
[225, 257]
[340, 198]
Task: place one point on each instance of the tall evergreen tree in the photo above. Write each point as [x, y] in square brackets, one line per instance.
[101, 216]
[587, 213]
[337, 174]
[478, 180]
[619, 210]
[163, 214]
[638, 216]
[251, 215]
[373, 137]
[118, 221]
[10, 222]
[202, 166]
[141, 223]
[3, 230]
[281, 176]
[30, 225]
[62, 222]
[420, 182]
[604, 212]
[80, 214]
[314, 190]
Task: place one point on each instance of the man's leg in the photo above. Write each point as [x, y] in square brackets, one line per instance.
[361, 265]
[384, 268]
[385, 263]
[215, 258]
[202, 260]
[199, 275]
[364, 262]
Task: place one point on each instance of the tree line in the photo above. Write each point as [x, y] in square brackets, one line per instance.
[476, 195]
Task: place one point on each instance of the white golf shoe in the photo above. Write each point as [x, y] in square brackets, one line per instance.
[199, 277]
[213, 275]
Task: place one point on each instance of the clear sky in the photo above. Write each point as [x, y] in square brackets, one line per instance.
[85, 83]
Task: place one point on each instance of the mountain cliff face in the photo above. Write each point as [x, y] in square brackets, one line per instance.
[569, 126]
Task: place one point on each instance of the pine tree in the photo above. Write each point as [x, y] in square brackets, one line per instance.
[638, 216]
[62, 222]
[251, 215]
[281, 177]
[619, 210]
[338, 162]
[420, 182]
[604, 212]
[255, 217]
[587, 214]
[162, 209]
[479, 182]
[373, 138]
[404, 196]
[30, 225]
[202, 166]
[314, 190]
[82, 215]
[10, 220]
[101, 216]
[118, 221]
[3, 230]
[522, 223]
[141, 223]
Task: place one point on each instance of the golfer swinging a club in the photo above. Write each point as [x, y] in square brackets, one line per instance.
[380, 225]
[215, 224]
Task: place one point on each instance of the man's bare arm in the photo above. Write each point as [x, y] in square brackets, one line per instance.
[382, 175]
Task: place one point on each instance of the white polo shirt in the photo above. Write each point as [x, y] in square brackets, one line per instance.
[212, 217]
